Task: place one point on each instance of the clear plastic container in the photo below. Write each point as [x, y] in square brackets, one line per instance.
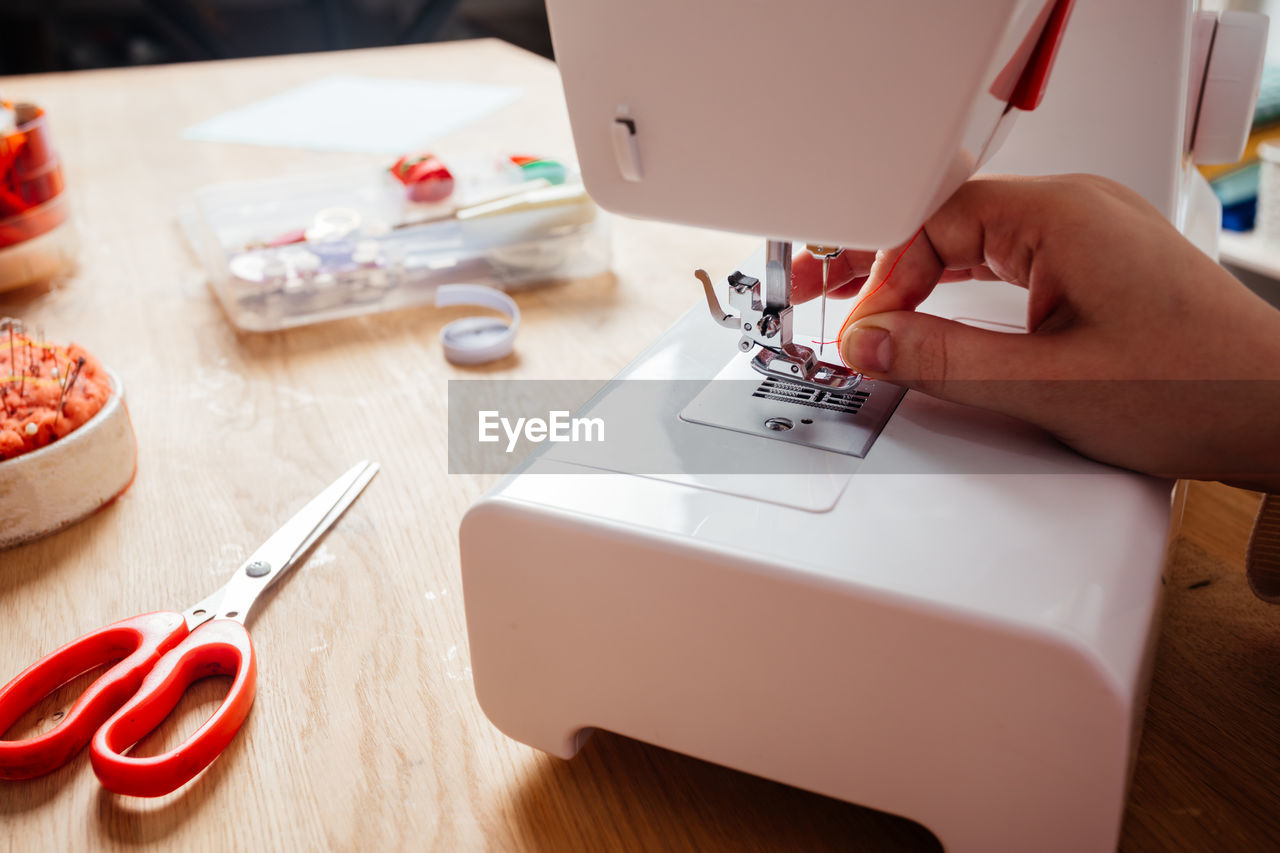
[293, 251]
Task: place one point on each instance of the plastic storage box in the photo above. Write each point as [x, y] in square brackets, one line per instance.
[292, 251]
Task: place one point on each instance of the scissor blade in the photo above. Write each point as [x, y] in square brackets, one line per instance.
[310, 523]
[348, 498]
[284, 549]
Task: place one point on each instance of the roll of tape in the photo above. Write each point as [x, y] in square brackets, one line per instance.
[477, 340]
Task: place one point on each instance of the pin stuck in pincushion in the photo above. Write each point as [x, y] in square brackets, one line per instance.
[46, 391]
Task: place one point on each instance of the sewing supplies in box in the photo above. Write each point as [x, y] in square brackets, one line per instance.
[291, 251]
[36, 240]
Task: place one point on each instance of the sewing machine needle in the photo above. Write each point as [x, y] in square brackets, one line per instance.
[822, 335]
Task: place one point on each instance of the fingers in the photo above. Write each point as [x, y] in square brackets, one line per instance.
[985, 230]
[951, 360]
[988, 229]
[847, 273]
[982, 273]
[900, 279]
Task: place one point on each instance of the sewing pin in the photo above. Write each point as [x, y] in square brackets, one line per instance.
[62, 393]
[10, 323]
[72, 375]
[13, 365]
[22, 377]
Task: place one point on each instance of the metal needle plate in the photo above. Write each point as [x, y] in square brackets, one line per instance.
[849, 422]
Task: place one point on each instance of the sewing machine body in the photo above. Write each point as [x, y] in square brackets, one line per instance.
[957, 629]
[956, 626]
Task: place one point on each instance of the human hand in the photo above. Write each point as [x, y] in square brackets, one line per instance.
[1140, 350]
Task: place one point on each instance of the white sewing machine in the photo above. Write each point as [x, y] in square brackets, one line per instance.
[903, 603]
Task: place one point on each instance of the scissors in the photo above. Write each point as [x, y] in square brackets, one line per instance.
[163, 654]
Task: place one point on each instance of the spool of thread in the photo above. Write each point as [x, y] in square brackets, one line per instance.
[1268, 223]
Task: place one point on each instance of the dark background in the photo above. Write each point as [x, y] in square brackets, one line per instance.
[63, 35]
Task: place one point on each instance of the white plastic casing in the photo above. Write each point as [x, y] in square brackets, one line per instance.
[1230, 89]
[967, 649]
[722, 113]
[1117, 101]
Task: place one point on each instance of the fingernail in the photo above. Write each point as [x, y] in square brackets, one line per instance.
[867, 348]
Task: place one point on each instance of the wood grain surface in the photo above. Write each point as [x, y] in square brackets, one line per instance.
[366, 733]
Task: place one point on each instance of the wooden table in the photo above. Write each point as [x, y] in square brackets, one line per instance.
[366, 733]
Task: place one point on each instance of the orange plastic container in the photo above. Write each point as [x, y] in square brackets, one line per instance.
[36, 240]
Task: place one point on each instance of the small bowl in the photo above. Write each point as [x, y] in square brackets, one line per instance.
[70, 479]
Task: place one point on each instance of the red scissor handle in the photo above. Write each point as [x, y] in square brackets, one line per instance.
[140, 641]
[218, 647]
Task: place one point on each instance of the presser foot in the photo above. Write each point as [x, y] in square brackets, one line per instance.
[801, 367]
[770, 329]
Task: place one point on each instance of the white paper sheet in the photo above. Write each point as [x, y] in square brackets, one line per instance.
[347, 113]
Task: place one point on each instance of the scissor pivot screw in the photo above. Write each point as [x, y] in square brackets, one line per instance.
[257, 569]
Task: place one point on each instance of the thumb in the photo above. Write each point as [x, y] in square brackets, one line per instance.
[947, 359]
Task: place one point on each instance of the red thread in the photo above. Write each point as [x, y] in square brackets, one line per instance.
[885, 281]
